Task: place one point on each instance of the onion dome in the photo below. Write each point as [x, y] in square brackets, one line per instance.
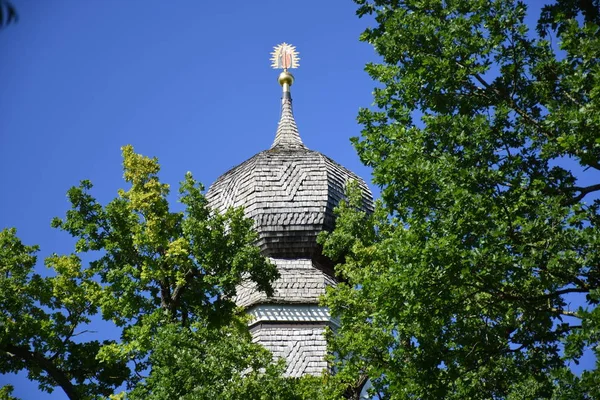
[289, 190]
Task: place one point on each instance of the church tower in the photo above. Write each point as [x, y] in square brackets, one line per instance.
[290, 192]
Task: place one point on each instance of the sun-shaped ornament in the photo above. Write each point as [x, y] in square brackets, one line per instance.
[284, 56]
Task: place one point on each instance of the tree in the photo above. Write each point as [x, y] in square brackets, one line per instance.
[8, 14]
[165, 279]
[465, 280]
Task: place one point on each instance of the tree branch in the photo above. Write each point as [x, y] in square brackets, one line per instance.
[165, 296]
[179, 289]
[593, 164]
[353, 391]
[571, 279]
[567, 329]
[571, 97]
[565, 312]
[556, 293]
[512, 104]
[516, 350]
[507, 98]
[75, 322]
[583, 191]
[59, 376]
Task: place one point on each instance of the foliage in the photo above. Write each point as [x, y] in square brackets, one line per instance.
[166, 281]
[39, 319]
[6, 393]
[8, 13]
[466, 281]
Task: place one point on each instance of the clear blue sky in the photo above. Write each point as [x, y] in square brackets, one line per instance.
[187, 81]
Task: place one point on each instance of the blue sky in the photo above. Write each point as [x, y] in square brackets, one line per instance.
[186, 81]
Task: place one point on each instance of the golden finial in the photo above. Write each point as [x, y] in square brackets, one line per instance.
[285, 56]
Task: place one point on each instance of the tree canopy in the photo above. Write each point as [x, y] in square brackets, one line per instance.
[165, 279]
[478, 275]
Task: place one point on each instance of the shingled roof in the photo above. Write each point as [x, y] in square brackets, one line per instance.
[287, 135]
[289, 190]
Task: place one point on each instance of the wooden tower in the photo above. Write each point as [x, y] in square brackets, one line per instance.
[290, 192]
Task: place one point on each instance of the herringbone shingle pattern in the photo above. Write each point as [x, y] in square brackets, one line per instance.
[302, 345]
[290, 192]
[300, 283]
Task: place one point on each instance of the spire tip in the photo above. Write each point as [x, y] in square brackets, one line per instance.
[285, 56]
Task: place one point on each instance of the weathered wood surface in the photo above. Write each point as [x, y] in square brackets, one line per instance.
[290, 192]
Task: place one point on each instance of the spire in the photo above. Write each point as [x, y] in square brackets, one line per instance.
[285, 56]
[287, 132]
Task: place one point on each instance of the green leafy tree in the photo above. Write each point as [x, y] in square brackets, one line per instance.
[478, 275]
[6, 393]
[165, 279]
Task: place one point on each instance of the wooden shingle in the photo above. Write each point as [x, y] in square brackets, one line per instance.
[290, 192]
